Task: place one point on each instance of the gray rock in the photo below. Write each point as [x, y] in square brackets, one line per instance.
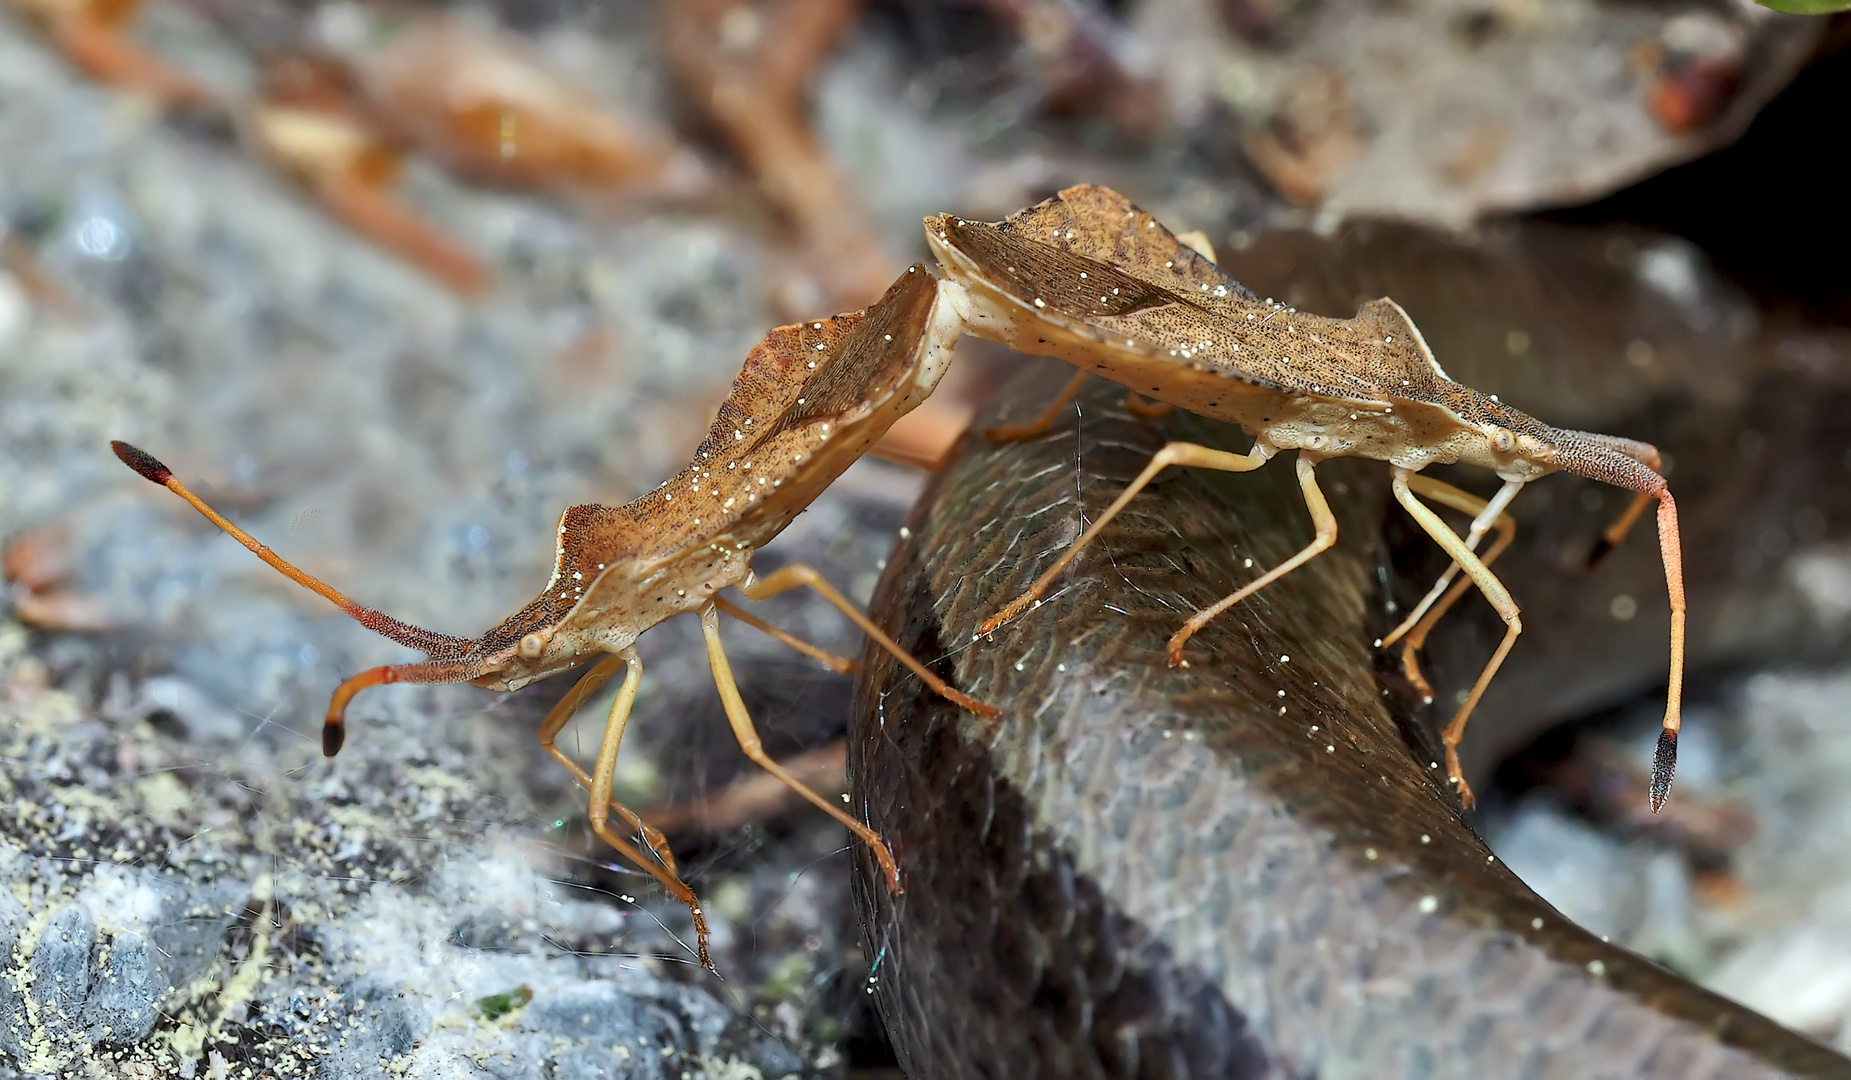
[13, 1024]
[125, 987]
[60, 970]
[603, 1034]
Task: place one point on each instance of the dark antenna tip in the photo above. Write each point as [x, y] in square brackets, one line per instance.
[142, 462]
[332, 736]
[1601, 548]
[1664, 765]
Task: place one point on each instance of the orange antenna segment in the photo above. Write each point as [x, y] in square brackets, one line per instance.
[334, 728]
[150, 467]
[404, 633]
[1664, 759]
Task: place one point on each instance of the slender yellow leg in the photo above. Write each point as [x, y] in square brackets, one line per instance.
[1184, 454]
[802, 575]
[601, 801]
[1321, 518]
[903, 456]
[1044, 423]
[1488, 515]
[841, 665]
[1494, 591]
[749, 742]
[1421, 620]
[1197, 239]
[555, 722]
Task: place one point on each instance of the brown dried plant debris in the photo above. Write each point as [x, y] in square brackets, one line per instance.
[748, 66]
[37, 564]
[308, 122]
[755, 798]
[1073, 48]
[94, 35]
[487, 106]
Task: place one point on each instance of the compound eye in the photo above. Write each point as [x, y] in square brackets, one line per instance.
[532, 646]
[1502, 440]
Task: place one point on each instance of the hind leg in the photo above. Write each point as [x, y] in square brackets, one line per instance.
[1044, 423]
[1321, 518]
[1176, 453]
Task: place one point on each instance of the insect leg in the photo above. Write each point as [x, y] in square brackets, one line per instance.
[902, 454]
[926, 438]
[756, 797]
[1184, 454]
[556, 720]
[749, 742]
[1488, 514]
[841, 665]
[801, 575]
[601, 801]
[1044, 423]
[1326, 524]
[1146, 409]
[1494, 591]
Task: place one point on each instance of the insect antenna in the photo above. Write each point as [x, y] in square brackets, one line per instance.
[1604, 459]
[1611, 536]
[451, 653]
[1644, 453]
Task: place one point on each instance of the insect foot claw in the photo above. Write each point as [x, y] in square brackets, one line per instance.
[1455, 775]
[990, 624]
[969, 704]
[1664, 765]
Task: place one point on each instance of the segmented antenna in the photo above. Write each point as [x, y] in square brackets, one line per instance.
[437, 645]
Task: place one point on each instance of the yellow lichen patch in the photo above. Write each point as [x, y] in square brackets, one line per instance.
[163, 798]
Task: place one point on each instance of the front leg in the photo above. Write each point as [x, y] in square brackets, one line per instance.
[1421, 620]
[1494, 591]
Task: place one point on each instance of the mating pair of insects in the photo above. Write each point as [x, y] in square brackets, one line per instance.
[1086, 277]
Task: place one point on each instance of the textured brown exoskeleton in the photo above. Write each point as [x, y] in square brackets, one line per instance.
[810, 400]
[1089, 278]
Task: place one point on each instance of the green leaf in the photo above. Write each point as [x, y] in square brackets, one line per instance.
[496, 1006]
[1807, 7]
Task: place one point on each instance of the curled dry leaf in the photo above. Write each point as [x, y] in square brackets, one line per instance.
[309, 124]
[37, 564]
[486, 105]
